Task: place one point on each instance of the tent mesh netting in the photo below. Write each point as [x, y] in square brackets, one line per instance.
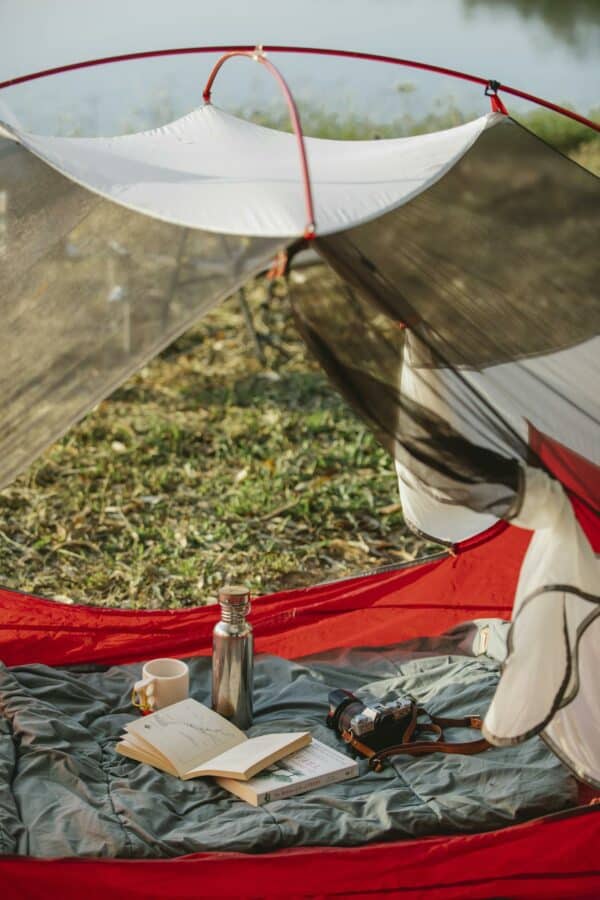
[458, 314]
[494, 270]
[92, 291]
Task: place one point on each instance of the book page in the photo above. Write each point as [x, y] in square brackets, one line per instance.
[145, 751]
[133, 751]
[132, 738]
[255, 754]
[187, 733]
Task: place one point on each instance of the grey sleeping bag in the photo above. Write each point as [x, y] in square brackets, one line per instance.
[64, 791]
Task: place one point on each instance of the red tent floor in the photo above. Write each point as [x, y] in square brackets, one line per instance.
[555, 856]
[547, 858]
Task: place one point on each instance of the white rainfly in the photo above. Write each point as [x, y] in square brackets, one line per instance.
[549, 678]
[213, 171]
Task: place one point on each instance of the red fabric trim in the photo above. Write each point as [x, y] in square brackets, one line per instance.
[579, 475]
[497, 105]
[589, 521]
[426, 598]
[546, 858]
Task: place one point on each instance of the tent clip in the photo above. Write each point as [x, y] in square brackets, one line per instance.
[491, 91]
[492, 88]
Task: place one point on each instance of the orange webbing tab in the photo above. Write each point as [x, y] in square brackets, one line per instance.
[279, 267]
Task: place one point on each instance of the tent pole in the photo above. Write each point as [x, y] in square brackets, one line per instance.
[320, 51]
[259, 55]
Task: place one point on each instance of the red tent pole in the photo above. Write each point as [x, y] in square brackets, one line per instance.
[258, 55]
[320, 51]
[439, 70]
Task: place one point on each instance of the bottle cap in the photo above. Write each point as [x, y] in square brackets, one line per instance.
[235, 594]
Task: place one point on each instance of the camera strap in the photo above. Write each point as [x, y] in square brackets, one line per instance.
[412, 745]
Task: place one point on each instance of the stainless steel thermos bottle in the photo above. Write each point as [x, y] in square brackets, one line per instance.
[233, 657]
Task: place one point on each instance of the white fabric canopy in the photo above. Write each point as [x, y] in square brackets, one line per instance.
[549, 678]
[213, 171]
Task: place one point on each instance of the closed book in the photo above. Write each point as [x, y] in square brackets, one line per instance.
[312, 767]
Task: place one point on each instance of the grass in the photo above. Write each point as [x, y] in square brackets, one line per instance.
[205, 466]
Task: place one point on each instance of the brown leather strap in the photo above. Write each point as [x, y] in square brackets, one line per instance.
[358, 745]
[422, 748]
[412, 725]
[465, 722]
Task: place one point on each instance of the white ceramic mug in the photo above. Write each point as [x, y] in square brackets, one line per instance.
[164, 681]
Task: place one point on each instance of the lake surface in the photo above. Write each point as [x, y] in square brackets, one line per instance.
[546, 47]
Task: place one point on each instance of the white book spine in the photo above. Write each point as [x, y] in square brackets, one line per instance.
[309, 784]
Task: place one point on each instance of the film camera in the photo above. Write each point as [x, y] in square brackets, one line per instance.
[381, 730]
[376, 726]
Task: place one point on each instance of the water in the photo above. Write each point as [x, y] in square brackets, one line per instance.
[546, 47]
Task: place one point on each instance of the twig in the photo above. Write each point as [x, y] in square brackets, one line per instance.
[12, 543]
[280, 509]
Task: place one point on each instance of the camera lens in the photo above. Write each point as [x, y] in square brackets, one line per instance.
[342, 706]
[347, 714]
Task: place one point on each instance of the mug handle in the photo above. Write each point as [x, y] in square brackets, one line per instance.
[139, 694]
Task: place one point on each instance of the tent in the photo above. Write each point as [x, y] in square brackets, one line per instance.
[462, 323]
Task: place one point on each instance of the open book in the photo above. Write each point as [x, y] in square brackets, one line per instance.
[312, 767]
[187, 739]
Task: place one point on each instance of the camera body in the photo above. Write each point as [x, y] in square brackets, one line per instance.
[378, 725]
